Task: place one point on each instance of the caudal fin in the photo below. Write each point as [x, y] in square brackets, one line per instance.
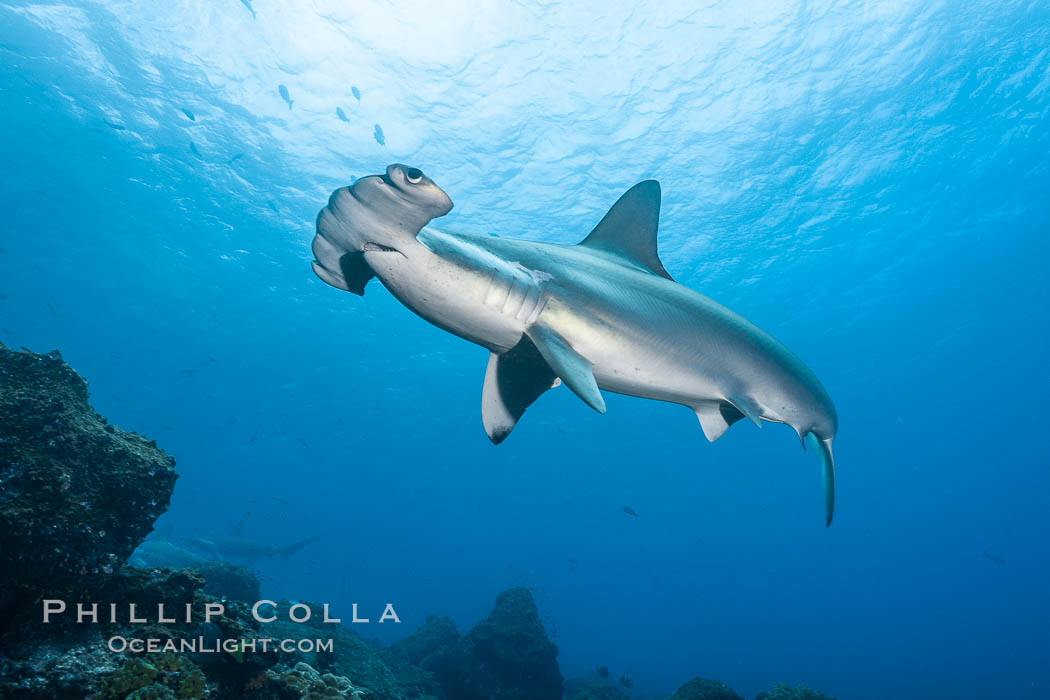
[287, 552]
[827, 468]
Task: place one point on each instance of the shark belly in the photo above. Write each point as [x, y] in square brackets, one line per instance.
[646, 348]
[486, 301]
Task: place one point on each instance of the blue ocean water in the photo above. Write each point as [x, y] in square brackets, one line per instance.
[867, 181]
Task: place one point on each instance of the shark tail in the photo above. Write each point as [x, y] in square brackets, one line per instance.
[286, 552]
[827, 468]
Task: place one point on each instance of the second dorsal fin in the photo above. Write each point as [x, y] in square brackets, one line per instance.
[628, 229]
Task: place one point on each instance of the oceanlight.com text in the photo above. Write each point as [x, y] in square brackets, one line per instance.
[201, 645]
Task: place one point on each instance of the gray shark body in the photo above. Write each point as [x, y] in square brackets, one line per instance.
[158, 553]
[602, 314]
[237, 548]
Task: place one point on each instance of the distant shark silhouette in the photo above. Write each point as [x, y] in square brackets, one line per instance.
[161, 551]
[237, 548]
[603, 314]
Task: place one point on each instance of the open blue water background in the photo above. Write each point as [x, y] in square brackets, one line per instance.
[870, 182]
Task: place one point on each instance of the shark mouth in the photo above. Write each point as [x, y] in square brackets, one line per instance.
[379, 248]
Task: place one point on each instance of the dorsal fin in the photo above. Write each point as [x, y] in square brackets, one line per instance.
[629, 228]
[238, 530]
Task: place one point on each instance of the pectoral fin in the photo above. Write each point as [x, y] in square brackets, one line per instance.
[513, 381]
[570, 366]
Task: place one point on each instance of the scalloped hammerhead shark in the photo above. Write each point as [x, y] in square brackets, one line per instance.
[602, 314]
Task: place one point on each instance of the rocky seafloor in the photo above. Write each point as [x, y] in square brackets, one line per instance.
[78, 495]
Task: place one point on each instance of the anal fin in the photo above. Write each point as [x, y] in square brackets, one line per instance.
[569, 365]
[513, 380]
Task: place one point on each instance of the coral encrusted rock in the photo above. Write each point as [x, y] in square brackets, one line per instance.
[703, 689]
[506, 656]
[786, 692]
[77, 494]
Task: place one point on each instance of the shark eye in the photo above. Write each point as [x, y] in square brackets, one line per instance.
[414, 175]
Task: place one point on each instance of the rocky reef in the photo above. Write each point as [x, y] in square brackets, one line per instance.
[78, 495]
[704, 689]
[225, 580]
[507, 656]
[785, 692]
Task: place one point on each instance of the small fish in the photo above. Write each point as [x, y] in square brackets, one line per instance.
[996, 559]
[114, 125]
[189, 114]
[230, 425]
[630, 511]
[626, 682]
[52, 307]
[188, 372]
[341, 114]
[273, 207]
[355, 92]
[235, 159]
[602, 672]
[380, 138]
[42, 192]
[193, 148]
[248, 4]
[3, 297]
[254, 435]
[303, 443]
[285, 95]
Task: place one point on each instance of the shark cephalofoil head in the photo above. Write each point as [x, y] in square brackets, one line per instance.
[377, 214]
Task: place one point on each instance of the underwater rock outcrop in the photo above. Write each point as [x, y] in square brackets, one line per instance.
[417, 660]
[704, 689]
[598, 692]
[77, 494]
[785, 692]
[303, 682]
[68, 660]
[506, 656]
[350, 657]
[226, 580]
